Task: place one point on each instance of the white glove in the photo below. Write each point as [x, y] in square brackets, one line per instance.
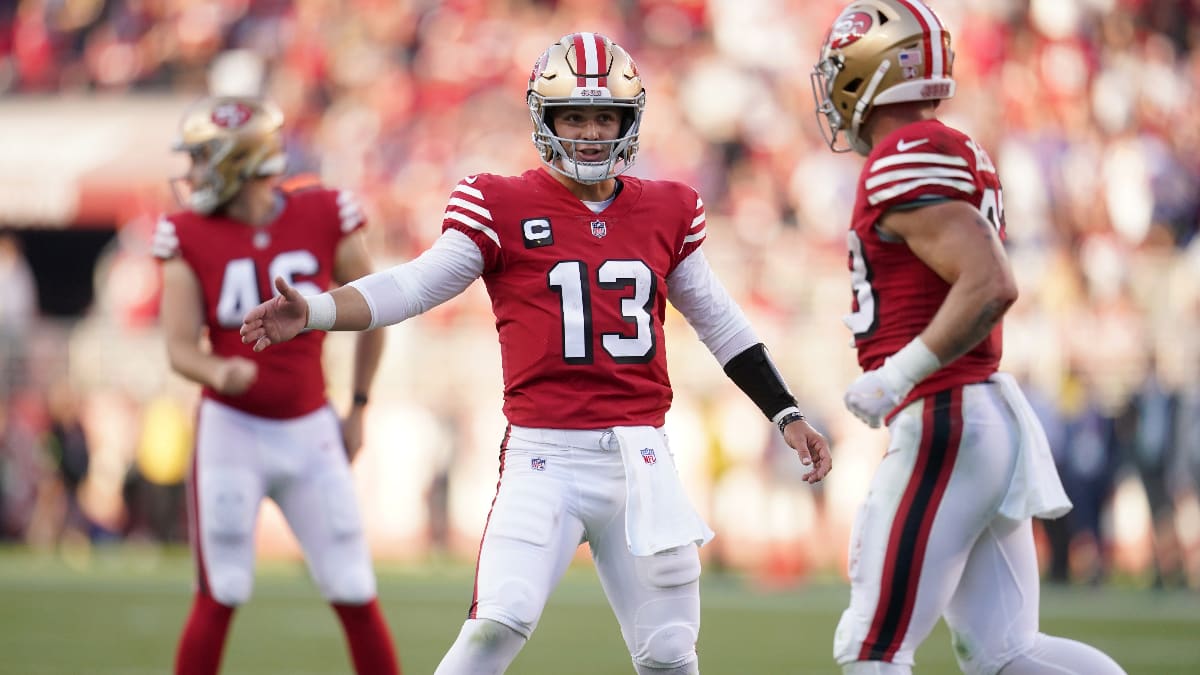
[877, 392]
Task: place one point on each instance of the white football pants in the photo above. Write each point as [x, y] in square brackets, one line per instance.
[299, 463]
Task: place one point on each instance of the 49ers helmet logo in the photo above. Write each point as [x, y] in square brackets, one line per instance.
[539, 67]
[849, 29]
[231, 115]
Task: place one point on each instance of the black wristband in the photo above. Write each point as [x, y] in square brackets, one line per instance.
[360, 399]
[754, 373]
[789, 418]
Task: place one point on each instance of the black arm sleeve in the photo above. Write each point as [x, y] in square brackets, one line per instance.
[755, 374]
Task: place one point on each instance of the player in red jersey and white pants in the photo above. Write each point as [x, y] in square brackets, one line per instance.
[265, 427]
[579, 265]
[946, 527]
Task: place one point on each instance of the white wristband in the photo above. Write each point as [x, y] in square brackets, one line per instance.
[914, 362]
[322, 311]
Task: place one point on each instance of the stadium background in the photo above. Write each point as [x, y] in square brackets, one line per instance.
[1087, 106]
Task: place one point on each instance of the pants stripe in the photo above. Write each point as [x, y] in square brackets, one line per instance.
[479, 554]
[941, 431]
[193, 504]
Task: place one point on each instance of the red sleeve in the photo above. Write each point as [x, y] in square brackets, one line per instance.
[694, 229]
[468, 211]
[917, 166]
[351, 216]
[165, 244]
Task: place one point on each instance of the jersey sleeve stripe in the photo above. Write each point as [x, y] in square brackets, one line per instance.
[695, 237]
[921, 172]
[468, 190]
[917, 158]
[350, 212]
[472, 207]
[697, 221]
[166, 243]
[474, 224]
[897, 190]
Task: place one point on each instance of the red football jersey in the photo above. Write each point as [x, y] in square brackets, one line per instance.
[579, 297]
[895, 294]
[235, 265]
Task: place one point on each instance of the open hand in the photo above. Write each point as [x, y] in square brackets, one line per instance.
[277, 320]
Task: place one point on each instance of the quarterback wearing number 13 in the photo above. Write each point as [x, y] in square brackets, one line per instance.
[579, 262]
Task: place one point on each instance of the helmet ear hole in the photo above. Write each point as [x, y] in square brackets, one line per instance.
[627, 119]
[853, 85]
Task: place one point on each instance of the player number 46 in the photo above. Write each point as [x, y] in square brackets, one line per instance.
[239, 284]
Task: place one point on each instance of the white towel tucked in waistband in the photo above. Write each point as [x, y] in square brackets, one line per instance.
[1035, 489]
[658, 515]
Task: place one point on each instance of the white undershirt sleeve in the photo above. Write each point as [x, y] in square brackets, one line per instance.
[696, 292]
[435, 276]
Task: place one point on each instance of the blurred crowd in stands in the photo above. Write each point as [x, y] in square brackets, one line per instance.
[1087, 106]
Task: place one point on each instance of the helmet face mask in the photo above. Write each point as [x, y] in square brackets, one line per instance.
[878, 52]
[229, 140]
[583, 70]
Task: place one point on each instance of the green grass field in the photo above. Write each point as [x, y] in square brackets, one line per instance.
[122, 615]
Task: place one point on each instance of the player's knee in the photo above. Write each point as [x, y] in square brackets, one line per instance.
[1058, 654]
[972, 655]
[231, 586]
[669, 648]
[519, 602]
[350, 587]
[488, 637]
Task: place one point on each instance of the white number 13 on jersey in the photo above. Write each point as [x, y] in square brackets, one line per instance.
[569, 279]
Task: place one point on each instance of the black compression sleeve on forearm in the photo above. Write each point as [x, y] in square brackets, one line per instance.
[755, 374]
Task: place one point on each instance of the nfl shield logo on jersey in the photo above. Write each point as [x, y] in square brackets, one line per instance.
[648, 455]
[538, 464]
[599, 229]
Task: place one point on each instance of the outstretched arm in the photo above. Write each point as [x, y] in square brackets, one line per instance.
[284, 316]
[379, 299]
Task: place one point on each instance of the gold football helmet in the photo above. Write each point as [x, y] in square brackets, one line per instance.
[584, 69]
[878, 52]
[230, 140]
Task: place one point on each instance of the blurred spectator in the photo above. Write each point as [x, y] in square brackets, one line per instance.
[155, 488]
[18, 309]
[1145, 434]
[67, 445]
[1088, 470]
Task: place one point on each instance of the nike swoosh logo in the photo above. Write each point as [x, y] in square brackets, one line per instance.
[471, 179]
[904, 146]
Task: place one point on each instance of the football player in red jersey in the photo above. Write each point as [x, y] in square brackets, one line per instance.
[946, 529]
[579, 264]
[265, 427]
